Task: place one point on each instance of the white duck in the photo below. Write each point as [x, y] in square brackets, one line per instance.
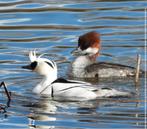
[64, 89]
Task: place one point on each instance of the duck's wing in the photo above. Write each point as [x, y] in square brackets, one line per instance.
[62, 84]
[107, 65]
[72, 90]
[78, 89]
[65, 81]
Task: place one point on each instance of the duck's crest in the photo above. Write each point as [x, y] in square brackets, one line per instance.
[42, 55]
[32, 56]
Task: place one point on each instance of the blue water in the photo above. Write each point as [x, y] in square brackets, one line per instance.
[53, 27]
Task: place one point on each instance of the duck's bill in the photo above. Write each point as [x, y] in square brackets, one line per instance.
[27, 67]
[76, 52]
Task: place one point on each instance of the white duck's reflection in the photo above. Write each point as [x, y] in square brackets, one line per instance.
[50, 114]
[43, 110]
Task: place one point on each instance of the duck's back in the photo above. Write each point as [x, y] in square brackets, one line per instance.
[106, 69]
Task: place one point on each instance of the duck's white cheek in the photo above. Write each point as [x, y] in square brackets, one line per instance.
[42, 69]
[90, 50]
[39, 70]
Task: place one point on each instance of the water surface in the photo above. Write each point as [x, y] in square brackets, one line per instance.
[53, 27]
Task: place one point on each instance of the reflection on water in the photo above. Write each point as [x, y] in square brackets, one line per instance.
[53, 27]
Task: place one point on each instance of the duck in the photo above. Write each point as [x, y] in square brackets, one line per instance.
[86, 66]
[64, 89]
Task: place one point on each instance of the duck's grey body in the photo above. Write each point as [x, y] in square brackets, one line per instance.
[104, 70]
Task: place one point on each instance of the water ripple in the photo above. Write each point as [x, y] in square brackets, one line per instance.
[53, 27]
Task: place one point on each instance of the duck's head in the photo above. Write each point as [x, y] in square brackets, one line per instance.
[41, 65]
[88, 44]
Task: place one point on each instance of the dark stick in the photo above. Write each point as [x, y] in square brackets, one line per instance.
[6, 91]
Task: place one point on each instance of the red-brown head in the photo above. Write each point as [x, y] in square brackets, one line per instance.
[89, 44]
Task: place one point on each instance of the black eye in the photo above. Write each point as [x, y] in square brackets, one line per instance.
[33, 65]
[49, 64]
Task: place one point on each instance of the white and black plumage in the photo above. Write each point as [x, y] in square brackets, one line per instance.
[61, 88]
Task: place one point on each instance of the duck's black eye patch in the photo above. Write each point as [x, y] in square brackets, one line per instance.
[49, 64]
[33, 65]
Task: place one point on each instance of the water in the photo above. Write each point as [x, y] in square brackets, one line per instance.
[53, 27]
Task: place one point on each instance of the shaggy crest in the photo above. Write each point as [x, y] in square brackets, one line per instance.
[32, 56]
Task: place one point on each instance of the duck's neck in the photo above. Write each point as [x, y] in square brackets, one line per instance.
[81, 62]
[46, 81]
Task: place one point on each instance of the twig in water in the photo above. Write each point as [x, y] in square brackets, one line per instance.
[6, 91]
